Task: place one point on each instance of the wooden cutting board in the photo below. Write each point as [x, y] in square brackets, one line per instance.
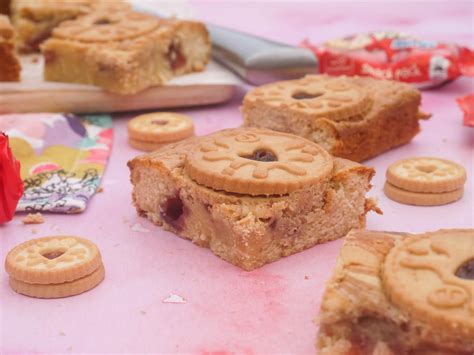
[33, 94]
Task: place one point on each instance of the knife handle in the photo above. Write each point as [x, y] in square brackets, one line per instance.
[258, 60]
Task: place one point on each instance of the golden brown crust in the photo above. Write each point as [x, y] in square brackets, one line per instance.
[52, 260]
[391, 119]
[66, 289]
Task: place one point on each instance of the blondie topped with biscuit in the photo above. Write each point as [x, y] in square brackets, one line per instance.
[34, 20]
[252, 196]
[398, 293]
[354, 118]
[124, 52]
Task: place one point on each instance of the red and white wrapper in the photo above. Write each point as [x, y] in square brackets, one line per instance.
[394, 56]
[11, 184]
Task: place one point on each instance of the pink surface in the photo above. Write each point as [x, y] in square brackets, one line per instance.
[227, 310]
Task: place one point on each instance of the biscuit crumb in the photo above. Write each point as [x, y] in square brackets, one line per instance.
[306, 277]
[100, 189]
[61, 333]
[143, 312]
[69, 349]
[33, 218]
[34, 231]
[172, 298]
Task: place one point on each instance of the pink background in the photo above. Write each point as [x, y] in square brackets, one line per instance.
[228, 310]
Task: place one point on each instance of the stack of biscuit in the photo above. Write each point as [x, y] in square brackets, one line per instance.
[425, 181]
[151, 131]
[54, 267]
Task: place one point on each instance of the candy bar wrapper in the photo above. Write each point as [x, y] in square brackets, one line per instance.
[394, 56]
[466, 104]
[11, 185]
[63, 157]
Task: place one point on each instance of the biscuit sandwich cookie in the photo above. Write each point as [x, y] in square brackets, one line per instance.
[151, 131]
[425, 181]
[53, 267]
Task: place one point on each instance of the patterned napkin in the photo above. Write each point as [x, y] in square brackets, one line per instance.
[62, 156]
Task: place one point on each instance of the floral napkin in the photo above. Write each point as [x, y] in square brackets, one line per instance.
[62, 156]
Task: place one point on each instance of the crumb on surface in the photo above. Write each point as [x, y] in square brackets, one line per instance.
[33, 218]
[306, 277]
[34, 231]
[143, 312]
[61, 333]
[100, 189]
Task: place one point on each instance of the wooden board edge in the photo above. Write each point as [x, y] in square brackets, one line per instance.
[85, 101]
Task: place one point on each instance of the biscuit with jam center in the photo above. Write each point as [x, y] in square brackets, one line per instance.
[257, 162]
[53, 260]
[338, 99]
[160, 127]
[431, 276]
[426, 174]
[61, 290]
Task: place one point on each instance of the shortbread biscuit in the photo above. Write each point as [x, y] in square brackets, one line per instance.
[336, 99]
[258, 162]
[426, 174]
[160, 127]
[145, 146]
[53, 260]
[61, 290]
[422, 198]
[446, 300]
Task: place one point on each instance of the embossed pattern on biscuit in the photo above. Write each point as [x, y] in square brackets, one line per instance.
[104, 26]
[338, 99]
[53, 254]
[421, 277]
[257, 162]
[425, 174]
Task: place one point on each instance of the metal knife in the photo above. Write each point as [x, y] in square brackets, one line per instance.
[258, 60]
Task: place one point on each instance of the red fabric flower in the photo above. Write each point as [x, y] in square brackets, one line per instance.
[11, 185]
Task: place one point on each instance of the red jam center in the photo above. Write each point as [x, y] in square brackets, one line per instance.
[262, 155]
[466, 270]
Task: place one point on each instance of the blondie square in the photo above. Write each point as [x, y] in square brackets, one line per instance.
[10, 67]
[400, 294]
[354, 118]
[124, 52]
[34, 20]
[252, 196]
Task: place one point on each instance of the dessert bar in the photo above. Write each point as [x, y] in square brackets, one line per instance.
[252, 196]
[124, 52]
[354, 118]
